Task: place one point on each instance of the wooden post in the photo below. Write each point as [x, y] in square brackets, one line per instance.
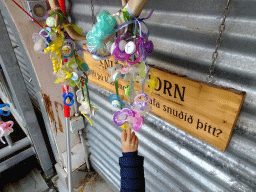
[136, 6]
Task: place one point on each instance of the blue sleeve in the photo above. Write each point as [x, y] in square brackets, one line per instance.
[132, 172]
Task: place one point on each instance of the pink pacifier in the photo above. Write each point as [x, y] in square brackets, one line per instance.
[128, 115]
[5, 129]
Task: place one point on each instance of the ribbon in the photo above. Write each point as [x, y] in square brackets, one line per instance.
[90, 121]
[136, 20]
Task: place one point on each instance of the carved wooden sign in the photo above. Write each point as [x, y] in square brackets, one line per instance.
[206, 112]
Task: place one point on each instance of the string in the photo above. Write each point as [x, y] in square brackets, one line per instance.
[27, 13]
[90, 121]
[136, 20]
[116, 87]
[88, 96]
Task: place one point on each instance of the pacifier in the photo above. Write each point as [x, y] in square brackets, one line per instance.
[5, 129]
[5, 109]
[128, 115]
[40, 42]
[75, 76]
[98, 57]
[116, 101]
[43, 32]
[6, 126]
[142, 107]
[133, 70]
[152, 83]
[50, 21]
[141, 75]
[79, 96]
[68, 99]
[115, 74]
[130, 48]
[67, 47]
[85, 107]
[120, 117]
[61, 74]
[146, 45]
[101, 53]
[124, 70]
[123, 51]
[127, 92]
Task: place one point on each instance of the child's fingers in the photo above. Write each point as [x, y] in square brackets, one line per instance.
[133, 139]
[128, 131]
[136, 142]
[133, 135]
[123, 136]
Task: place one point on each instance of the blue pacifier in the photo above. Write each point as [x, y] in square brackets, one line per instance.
[116, 101]
[68, 97]
[5, 109]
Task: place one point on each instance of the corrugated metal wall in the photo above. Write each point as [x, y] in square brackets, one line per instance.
[27, 69]
[19, 53]
[184, 34]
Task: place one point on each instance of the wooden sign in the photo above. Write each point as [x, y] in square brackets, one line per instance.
[206, 112]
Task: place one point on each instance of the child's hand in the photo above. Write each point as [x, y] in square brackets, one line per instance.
[129, 141]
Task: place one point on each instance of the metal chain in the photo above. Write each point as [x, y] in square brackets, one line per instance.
[218, 42]
[92, 9]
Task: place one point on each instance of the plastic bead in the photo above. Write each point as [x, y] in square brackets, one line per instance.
[141, 107]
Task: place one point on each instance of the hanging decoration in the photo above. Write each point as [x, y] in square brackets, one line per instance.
[131, 47]
[58, 38]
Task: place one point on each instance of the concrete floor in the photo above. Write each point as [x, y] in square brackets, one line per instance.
[32, 181]
[93, 183]
[97, 184]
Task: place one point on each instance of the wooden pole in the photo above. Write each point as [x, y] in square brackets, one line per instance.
[136, 6]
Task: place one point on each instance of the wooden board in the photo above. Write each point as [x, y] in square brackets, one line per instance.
[206, 112]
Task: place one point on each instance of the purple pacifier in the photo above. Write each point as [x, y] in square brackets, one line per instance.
[120, 117]
[121, 55]
[128, 115]
[141, 107]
